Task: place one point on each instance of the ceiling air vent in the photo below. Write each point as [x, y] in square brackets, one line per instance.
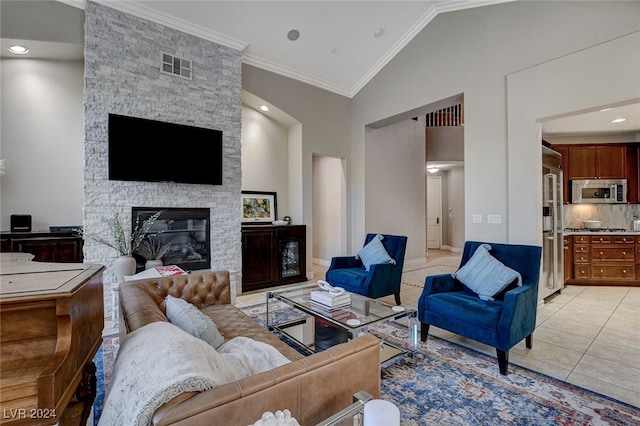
[176, 66]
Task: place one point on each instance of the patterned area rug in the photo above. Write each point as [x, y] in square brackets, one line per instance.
[448, 384]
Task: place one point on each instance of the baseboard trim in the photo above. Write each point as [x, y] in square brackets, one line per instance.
[321, 262]
[452, 249]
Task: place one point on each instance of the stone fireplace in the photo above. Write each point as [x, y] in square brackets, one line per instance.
[185, 230]
[122, 76]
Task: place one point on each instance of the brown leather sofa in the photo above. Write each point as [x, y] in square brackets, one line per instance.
[312, 388]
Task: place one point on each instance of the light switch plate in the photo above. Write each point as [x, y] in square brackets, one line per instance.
[477, 218]
[494, 218]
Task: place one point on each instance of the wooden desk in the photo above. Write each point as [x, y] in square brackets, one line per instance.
[51, 319]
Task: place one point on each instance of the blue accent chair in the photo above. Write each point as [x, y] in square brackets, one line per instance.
[501, 323]
[380, 280]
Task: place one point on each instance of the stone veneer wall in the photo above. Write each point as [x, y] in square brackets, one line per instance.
[122, 76]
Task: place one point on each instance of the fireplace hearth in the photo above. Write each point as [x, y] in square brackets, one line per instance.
[186, 230]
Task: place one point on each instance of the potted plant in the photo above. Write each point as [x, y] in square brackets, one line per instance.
[152, 250]
[124, 244]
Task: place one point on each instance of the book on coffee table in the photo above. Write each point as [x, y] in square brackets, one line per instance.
[158, 271]
[331, 300]
[327, 308]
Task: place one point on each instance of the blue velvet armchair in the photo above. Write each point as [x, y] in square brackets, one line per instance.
[380, 280]
[501, 323]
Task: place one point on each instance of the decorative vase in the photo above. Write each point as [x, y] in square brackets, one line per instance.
[152, 263]
[124, 266]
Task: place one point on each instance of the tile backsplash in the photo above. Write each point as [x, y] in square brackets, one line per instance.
[611, 216]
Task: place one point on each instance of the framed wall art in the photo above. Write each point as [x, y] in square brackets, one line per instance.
[259, 207]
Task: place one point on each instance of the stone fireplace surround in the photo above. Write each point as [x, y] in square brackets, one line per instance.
[122, 76]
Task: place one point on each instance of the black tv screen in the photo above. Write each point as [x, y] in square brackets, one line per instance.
[156, 151]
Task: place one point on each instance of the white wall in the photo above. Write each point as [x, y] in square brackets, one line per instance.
[396, 186]
[328, 210]
[472, 52]
[42, 141]
[265, 157]
[573, 82]
[324, 119]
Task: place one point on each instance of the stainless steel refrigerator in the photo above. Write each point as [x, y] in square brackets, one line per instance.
[552, 275]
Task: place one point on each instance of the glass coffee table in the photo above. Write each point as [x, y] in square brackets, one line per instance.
[346, 322]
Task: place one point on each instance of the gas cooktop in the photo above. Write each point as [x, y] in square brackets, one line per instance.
[597, 230]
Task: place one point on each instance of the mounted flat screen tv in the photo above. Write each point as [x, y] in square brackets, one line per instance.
[156, 151]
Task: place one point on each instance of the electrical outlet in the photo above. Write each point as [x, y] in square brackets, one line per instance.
[477, 218]
[494, 218]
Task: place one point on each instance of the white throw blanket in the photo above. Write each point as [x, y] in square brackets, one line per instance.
[250, 356]
[160, 361]
[156, 363]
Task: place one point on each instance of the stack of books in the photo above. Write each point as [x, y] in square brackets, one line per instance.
[329, 301]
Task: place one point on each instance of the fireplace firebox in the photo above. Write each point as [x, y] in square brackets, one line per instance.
[185, 230]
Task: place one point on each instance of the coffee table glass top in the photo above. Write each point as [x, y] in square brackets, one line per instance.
[362, 311]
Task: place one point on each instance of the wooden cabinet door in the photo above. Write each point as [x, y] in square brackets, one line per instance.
[582, 162]
[564, 151]
[62, 249]
[610, 162]
[257, 260]
[568, 258]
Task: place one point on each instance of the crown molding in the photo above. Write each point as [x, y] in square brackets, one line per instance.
[175, 23]
[294, 74]
[178, 24]
[429, 15]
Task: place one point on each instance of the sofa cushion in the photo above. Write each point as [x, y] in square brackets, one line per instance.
[485, 275]
[190, 319]
[374, 253]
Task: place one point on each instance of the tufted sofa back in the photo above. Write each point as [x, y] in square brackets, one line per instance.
[142, 301]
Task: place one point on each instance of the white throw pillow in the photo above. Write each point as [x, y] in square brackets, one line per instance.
[249, 356]
[485, 275]
[374, 253]
[190, 319]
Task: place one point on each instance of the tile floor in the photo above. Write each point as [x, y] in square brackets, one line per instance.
[586, 335]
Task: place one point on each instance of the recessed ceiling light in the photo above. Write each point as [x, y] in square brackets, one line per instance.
[264, 108]
[293, 35]
[18, 50]
[378, 32]
[432, 169]
[618, 120]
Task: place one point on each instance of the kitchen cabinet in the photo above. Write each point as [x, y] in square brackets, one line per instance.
[568, 258]
[597, 162]
[273, 256]
[601, 161]
[612, 259]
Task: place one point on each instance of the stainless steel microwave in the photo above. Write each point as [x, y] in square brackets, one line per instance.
[600, 191]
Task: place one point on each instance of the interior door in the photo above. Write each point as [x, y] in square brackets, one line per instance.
[434, 212]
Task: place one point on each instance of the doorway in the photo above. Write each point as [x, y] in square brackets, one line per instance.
[434, 212]
[329, 213]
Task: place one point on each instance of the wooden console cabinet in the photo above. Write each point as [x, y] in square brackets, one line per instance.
[44, 246]
[273, 255]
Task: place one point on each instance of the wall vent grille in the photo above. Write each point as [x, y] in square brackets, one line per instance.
[175, 66]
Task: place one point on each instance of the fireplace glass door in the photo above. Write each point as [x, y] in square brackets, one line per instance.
[185, 230]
